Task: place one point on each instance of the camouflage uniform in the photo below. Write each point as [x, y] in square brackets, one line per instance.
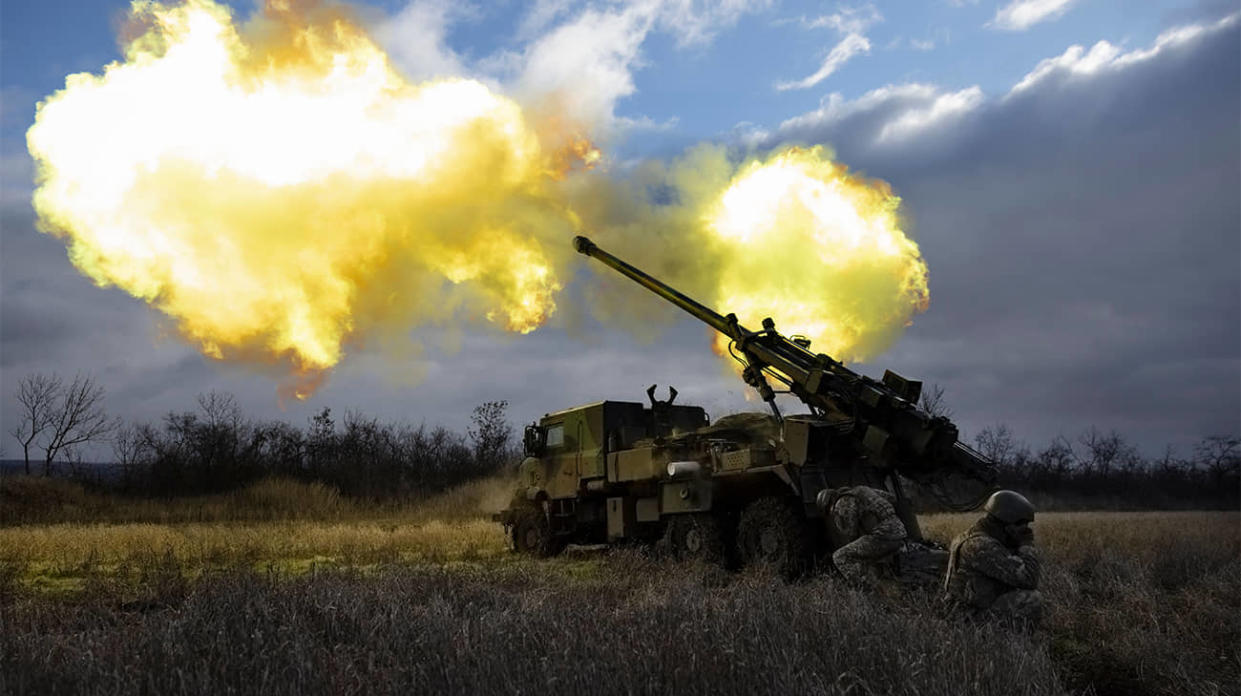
[988, 578]
[866, 518]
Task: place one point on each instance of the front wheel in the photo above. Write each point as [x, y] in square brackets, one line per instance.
[696, 537]
[531, 532]
[772, 534]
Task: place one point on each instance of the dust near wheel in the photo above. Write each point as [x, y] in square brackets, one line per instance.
[531, 533]
[771, 534]
[696, 537]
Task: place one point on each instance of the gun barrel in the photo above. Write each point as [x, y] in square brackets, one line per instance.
[718, 322]
[887, 421]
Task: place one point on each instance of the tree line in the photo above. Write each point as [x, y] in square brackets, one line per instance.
[1104, 469]
[214, 447]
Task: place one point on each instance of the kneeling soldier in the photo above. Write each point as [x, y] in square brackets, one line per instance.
[993, 567]
[864, 522]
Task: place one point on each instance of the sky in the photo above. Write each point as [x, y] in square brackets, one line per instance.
[1070, 170]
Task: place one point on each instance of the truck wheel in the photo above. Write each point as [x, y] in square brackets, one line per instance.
[695, 537]
[531, 532]
[772, 534]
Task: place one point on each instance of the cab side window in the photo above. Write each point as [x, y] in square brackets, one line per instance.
[555, 435]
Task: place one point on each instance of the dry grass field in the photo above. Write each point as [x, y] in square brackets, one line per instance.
[285, 588]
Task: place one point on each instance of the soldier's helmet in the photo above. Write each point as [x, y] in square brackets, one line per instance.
[1009, 507]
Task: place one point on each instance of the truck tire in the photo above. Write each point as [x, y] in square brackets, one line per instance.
[695, 537]
[532, 534]
[772, 534]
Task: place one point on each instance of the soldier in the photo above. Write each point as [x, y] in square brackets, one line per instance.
[993, 567]
[863, 521]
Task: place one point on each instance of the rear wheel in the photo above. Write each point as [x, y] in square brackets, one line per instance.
[531, 532]
[697, 537]
[772, 534]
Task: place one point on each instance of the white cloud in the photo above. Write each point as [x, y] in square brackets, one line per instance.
[749, 135]
[585, 64]
[569, 57]
[848, 20]
[1076, 60]
[892, 114]
[1020, 15]
[922, 45]
[941, 108]
[835, 108]
[415, 39]
[697, 21]
[848, 47]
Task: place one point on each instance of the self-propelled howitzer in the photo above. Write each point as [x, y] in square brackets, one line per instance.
[746, 488]
[886, 420]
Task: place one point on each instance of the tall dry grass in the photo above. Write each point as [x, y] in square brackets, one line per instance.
[68, 550]
[28, 500]
[275, 525]
[32, 500]
[624, 626]
[424, 597]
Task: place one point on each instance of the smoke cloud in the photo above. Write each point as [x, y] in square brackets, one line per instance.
[283, 194]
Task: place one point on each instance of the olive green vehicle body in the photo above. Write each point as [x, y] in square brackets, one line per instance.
[600, 473]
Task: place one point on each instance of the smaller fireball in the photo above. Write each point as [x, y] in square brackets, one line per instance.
[801, 240]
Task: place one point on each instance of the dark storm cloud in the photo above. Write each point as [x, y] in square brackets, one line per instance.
[1082, 235]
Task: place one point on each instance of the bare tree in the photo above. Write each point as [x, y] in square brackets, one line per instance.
[217, 437]
[933, 401]
[1220, 455]
[223, 423]
[37, 394]
[996, 443]
[130, 447]
[220, 410]
[77, 419]
[1104, 451]
[1169, 464]
[1057, 458]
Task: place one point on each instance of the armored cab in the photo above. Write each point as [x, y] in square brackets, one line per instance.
[586, 469]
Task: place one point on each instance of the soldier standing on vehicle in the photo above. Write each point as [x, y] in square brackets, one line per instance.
[993, 567]
[863, 522]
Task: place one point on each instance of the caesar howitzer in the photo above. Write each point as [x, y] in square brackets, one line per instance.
[885, 415]
[745, 488]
